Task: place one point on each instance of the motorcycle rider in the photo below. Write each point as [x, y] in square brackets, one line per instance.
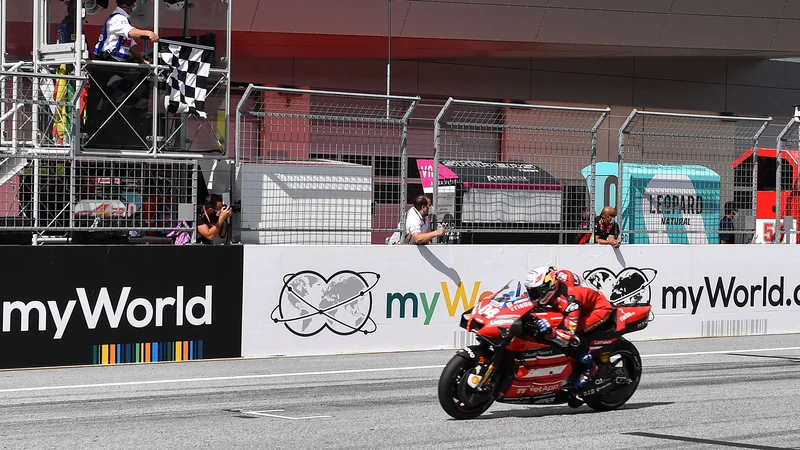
[584, 308]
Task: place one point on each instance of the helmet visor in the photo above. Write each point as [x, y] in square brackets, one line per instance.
[539, 292]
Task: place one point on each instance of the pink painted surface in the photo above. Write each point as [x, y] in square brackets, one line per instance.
[285, 137]
[9, 204]
[426, 173]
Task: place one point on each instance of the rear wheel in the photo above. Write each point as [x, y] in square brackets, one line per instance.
[457, 398]
[626, 364]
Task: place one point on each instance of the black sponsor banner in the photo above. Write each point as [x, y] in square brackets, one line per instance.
[73, 305]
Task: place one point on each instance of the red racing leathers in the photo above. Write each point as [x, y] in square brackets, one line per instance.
[584, 309]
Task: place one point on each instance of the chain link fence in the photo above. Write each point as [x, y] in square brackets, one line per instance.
[686, 178]
[319, 167]
[506, 172]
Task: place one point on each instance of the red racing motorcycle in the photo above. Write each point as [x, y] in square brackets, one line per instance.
[512, 364]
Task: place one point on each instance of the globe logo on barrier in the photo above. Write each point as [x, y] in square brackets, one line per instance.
[630, 285]
[342, 303]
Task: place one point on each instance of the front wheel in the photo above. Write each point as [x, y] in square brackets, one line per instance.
[456, 396]
[625, 363]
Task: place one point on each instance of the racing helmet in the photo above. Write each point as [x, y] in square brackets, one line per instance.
[541, 285]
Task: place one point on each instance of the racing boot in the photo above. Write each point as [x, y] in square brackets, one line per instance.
[589, 370]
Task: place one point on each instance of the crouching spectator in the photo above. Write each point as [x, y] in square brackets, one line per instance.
[212, 220]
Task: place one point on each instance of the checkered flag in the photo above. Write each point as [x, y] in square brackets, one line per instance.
[188, 81]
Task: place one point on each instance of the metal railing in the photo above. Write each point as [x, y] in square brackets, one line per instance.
[787, 194]
[37, 111]
[91, 146]
[126, 114]
[58, 195]
[514, 168]
[316, 167]
[320, 167]
[685, 178]
[116, 110]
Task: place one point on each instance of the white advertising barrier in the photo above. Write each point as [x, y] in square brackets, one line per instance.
[309, 300]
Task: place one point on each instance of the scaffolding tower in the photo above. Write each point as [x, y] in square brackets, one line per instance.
[89, 144]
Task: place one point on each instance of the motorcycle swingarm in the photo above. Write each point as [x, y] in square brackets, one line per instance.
[601, 386]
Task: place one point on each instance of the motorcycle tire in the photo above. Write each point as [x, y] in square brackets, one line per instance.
[452, 387]
[619, 396]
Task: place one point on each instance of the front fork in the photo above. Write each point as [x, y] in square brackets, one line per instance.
[485, 382]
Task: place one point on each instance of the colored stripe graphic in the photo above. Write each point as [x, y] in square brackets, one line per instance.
[142, 352]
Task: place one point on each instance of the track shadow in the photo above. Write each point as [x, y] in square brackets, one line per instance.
[620, 257]
[437, 264]
[561, 410]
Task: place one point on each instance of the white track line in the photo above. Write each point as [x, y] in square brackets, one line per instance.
[264, 414]
[236, 377]
[333, 372]
[719, 352]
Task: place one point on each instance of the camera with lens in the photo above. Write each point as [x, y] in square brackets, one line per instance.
[237, 207]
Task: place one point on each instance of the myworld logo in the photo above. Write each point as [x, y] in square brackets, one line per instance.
[727, 292]
[430, 300]
[137, 313]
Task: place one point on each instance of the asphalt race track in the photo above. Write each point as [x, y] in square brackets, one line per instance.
[706, 393]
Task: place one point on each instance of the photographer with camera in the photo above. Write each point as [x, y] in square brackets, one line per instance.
[212, 220]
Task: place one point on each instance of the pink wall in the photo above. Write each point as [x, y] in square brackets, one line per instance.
[9, 204]
[285, 138]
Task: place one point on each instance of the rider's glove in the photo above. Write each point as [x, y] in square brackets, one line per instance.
[543, 326]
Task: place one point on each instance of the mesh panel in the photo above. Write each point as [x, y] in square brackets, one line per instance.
[121, 104]
[45, 194]
[321, 167]
[683, 175]
[36, 112]
[787, 194]
[514, 168]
